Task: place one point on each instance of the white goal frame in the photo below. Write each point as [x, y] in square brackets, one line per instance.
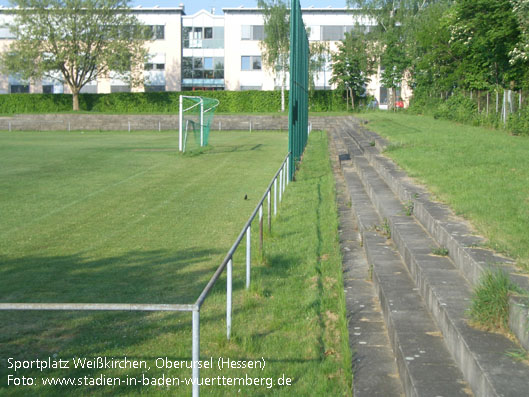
[181, 120]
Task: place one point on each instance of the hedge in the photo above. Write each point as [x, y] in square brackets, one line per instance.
[459, 107]
[164, 102]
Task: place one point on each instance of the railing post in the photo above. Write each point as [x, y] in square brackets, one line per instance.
[180, 126]
[284, 177]
[261, 229]
[196, 352]
[269, 214]
[288, 168]
[275, 196]
[248, 254]
[280, 183]
[228, 298]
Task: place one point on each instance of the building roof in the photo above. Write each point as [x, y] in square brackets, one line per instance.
[311, 9]
[136, 10]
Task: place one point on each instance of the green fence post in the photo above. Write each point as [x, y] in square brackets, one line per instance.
[298, 95]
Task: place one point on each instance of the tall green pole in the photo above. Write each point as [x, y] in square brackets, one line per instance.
[291, 95]
[298, 95]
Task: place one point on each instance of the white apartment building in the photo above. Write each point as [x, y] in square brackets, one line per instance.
[206, 51]
[162, 73]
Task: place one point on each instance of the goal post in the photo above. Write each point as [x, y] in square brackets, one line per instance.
[194, 121]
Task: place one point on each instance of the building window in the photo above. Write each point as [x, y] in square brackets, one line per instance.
[157, 32]
[19, 88]
[334, 33]
[203, 37]
[154, 66]
[89, 89]
[154, 88]
[251, 63]
[154, 73]
[251, 88]
[5, 33]
[383, 96]
[252, 32]
[120, 88]
[203, 68]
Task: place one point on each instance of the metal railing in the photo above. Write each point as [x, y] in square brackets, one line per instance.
[280, 178]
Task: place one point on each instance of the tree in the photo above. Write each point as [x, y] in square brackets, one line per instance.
[352, 65]
[319, 57]
[395, 62]
[276, 43]
[520, 54]
[484, 32]
[433, 62]
[393, 37]
[75, 42]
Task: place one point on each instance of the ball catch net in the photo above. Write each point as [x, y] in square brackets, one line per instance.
[195, 117]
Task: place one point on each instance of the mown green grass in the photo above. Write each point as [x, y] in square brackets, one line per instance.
[120, 217]
[482, 174]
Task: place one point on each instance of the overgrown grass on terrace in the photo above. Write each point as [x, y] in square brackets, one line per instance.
[482, 174]
[121, 217]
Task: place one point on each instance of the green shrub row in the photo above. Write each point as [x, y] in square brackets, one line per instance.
[164, 102]
[461, 108]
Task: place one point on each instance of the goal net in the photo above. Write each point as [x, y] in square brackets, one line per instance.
[195, 117]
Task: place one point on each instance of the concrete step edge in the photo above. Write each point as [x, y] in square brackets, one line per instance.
[456, 237]
[412, 373]
[479, 374]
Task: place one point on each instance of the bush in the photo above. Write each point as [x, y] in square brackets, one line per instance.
[424, 104]
[461, 108]
[164, 102]
[34, 103]
[518, 123]
[457, 108]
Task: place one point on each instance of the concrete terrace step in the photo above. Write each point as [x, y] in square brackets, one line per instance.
[436, 281]
[424, 364]
[449, 231]
[374, 366]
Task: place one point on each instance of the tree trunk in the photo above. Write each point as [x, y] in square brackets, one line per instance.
[283, 84]
[352, 98]
[75, 100]
[392, 98]
[497, 100]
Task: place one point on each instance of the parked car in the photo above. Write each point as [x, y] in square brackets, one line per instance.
[399, 103]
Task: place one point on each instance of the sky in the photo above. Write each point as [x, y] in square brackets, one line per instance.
[192, 6]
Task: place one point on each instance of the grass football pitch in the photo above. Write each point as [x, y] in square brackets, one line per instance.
[124, 218]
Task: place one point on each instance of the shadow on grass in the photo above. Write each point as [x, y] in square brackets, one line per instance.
[160, 276]
[221, 149]
[28, 335]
